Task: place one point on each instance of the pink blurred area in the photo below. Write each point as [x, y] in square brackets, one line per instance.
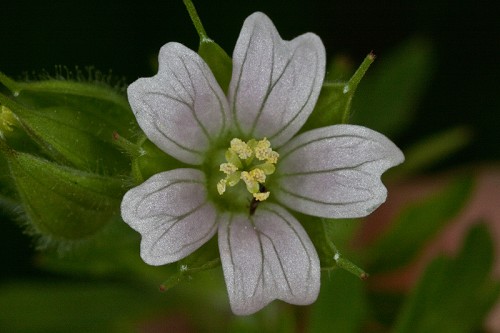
[484, 205]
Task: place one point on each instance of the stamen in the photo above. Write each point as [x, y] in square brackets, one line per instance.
[258, 175]
[241, 165]
[221, 186]
[228, 168]
[262, 149]
[261, 196]
[233, 178]
[267, 168]
[241, 148]
[252, 184]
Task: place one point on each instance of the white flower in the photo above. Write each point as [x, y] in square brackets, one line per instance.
[331, 172]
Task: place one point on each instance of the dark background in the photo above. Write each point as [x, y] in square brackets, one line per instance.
[125, 36]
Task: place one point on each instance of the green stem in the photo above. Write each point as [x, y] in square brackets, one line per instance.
[196, 21]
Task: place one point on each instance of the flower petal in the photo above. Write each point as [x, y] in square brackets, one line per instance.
[182, 108]
[171, 212]
[267, 256]
[275, 83]
[335, 171]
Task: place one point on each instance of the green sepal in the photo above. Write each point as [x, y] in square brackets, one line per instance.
[417, 223]
[62, 203]
[205, 258]
[219, 62]
[151, 160]
[334, 101]
[330, 257]
[216, 58]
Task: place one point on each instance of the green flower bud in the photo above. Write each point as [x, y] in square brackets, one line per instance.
[62, 203]
[73, 122]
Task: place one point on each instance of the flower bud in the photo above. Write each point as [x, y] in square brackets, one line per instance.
[62, 203]
[73, 122]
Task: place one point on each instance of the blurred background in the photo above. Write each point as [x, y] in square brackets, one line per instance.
[456, 44]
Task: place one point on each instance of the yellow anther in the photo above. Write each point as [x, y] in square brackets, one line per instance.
[258, 175]
[272, 157]
[243, 162]
[241, 148]
[261, 196]
[252, 184]
[228, 168]
[263, 151]
[221, 186]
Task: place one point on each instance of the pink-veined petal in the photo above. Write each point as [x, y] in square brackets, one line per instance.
[182, 108]
[335, 171]
[171, 212]
[267, 256]
[275, 83]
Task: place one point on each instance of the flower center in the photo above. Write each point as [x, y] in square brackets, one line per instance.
[250, 162]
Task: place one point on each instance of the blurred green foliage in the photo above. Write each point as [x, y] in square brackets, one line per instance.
[101, 284]
[454, 294]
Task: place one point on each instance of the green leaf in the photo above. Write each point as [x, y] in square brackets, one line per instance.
[113, 254]
[35, 307]
[274, 318]
[416, 224]
[341, 305]
[61, 203]
[334, 102]
[454, 295]
[388, 97]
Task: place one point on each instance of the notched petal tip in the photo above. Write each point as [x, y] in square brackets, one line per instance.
[265, 257]
[335, 171]
[171, 212]
[275, 83]
[182, 108]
